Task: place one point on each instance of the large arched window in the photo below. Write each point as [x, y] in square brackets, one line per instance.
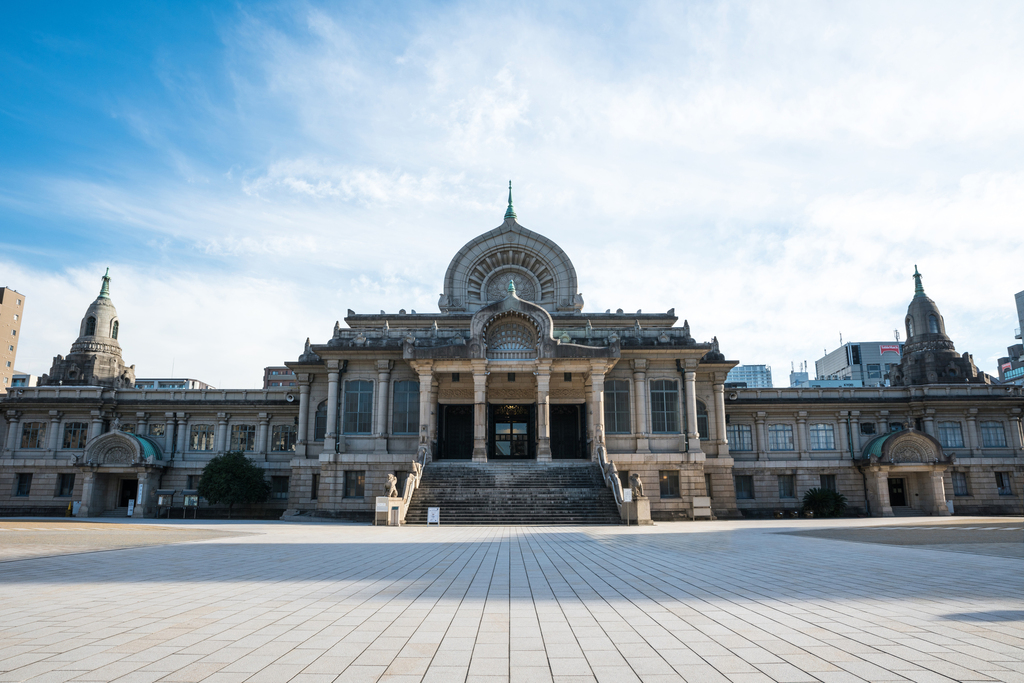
[933, 324]
[511, 338]
[113, 329]
[320, 422]
[702, 420]
[90, 326]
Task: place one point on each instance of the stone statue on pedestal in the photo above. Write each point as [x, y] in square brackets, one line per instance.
[636, 486]
[392, 486]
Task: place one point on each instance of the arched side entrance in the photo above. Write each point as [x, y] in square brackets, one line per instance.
[903, 473]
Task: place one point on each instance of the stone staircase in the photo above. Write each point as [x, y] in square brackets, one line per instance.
[116, 512]
[513, 492]
[907, 512]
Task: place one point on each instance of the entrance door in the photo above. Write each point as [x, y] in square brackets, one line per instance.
[568, 440]
[897, 496]
[511, 432]
[455, 432]
[129, 489]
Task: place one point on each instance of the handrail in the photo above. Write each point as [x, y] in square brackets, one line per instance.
[412, 480]
[610, 473]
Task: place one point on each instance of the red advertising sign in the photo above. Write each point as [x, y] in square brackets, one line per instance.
[895, 348]
[1006, 366]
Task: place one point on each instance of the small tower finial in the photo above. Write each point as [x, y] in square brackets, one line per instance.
[510, 212]
[105, 289]
[918, 287]
[511, 286]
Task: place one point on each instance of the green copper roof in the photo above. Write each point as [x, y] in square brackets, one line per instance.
[511, 286]
[105, 289]
[150, 448]
[918, 287]
[510, 212]
[874, 447]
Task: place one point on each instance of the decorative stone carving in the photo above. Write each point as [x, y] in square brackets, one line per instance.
[636, 485]
[392, 486]
[455, 392]
[497, 285]
[117, 454]
[907, 452]
[524, 392]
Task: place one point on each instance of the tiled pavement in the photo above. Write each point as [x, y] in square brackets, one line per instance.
[705, 601]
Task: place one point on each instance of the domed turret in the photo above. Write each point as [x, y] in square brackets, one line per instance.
[929, 356]
[95, 358]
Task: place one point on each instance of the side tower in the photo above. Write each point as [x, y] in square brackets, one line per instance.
[929, 356]
[95, 358]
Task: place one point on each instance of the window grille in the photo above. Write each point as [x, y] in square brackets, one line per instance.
[823, 437]
[33, 435]
[616, 406]
[744, 487]
[201, 438]
[992, 435]
[787, 487]
[950, 435]
[283, 438]
[75, 434]
[359, 407]
[740, 438]
[664, 406]
[780, 437]
[406, 413]
[243, 437]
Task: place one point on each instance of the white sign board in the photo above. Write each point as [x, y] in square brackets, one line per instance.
[382, 503]
[434, 516]
[75, 507]
[627, 495]
[131, 507]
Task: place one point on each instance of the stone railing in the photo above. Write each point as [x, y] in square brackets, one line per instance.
[524, 354]
[412, 481]
[610, 474]
[154, 395]
[882, 393]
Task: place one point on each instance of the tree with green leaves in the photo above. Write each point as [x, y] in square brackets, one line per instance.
[233, 478]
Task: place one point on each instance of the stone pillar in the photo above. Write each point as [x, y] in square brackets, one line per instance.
[543, 414]
[303, 432]
[929, 421]
[760, 438]
[182, 420]
[88, 487]
[855, 435]
[640, 404]
[844, 444]
[434, 408]
[692, 435]
[380, 423]
[220, 444]
[331, 436]
[261, 435]
[974, 442]
[937, 492]
[51, 438]
[425, 372]
[169, 434]
[143, 505]
[1016, 437]
[13, 425]
[597, 373]
[96, 428]
[720, 427]
[141, 424]
[802, 436]
[878, 493]
[479, 411]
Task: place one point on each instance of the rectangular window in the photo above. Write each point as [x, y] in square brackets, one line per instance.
[827, 482]
[355, 484]
[156, 430]
[992, 435]
[359, 407]
[950, 435]
[707, 486]
[823, 438]
[787, 486]
[874, 371]
[192, 482]
[740, 438]
[314, 492]
[128, 428]
[320, 422]
[33, 435]
[624, 479]
[75, 434]
[455, 377]
[664, 406]
[669, 480]
[895, 426]
[867, 428]
[616, 406]
[780, 437]
[406, 412]
[1002, 483]
[22, 484]
[566, 376]
[511, 377]
[744, 487]
[201, 438]
[243, 437]
[960, 484]
[279, 488]
[283, 438]
[65, 485]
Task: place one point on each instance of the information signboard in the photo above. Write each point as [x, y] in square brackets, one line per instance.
[434, 516]
[627, 495]
[131, 507]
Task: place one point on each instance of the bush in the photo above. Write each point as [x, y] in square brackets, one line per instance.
[233, 478]
[824, 503]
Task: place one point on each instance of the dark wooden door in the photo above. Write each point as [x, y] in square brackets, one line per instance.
[897, 496]
[129, 489]
[456, 432]
[567, 432]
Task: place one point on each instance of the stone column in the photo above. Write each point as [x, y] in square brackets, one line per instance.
[479, 411]
[142, 495]
[96, 428]
[1016, 437]
[938, 492]
[597, 374]
[141, 424]
[760, 439]
[220, 443]
[802, 437]
[878, 493]
[331, 435]
[182, 420]
[844, 444]
[543, 375]
[169, 434]
[303, 432]
[929, 421]
[261, 435]
[720, 426]
[380, 426]
[51, 439]
[88, 485]
[692, 435]
[640, 404]
[855, 434]
[434, 408]
[13, 424]
[974, 443]
[425, 372]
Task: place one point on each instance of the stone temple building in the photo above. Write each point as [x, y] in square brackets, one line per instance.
[512, 403]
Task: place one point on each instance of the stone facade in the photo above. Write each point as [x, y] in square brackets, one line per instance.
[512, 368]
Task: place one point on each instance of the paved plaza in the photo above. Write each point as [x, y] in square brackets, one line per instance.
[921, 600]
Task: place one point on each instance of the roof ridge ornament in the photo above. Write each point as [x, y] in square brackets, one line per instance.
[510, 212]
[918, 287]
[105, 289]
[511, 286]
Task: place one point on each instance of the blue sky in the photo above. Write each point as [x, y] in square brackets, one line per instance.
[251, 171]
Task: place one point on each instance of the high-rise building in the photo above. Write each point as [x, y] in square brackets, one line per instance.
[12, 308]
[751, 376]
[278, 376]
[865, 362]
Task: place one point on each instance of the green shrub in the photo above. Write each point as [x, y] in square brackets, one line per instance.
[233, 478]
[824, 502]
